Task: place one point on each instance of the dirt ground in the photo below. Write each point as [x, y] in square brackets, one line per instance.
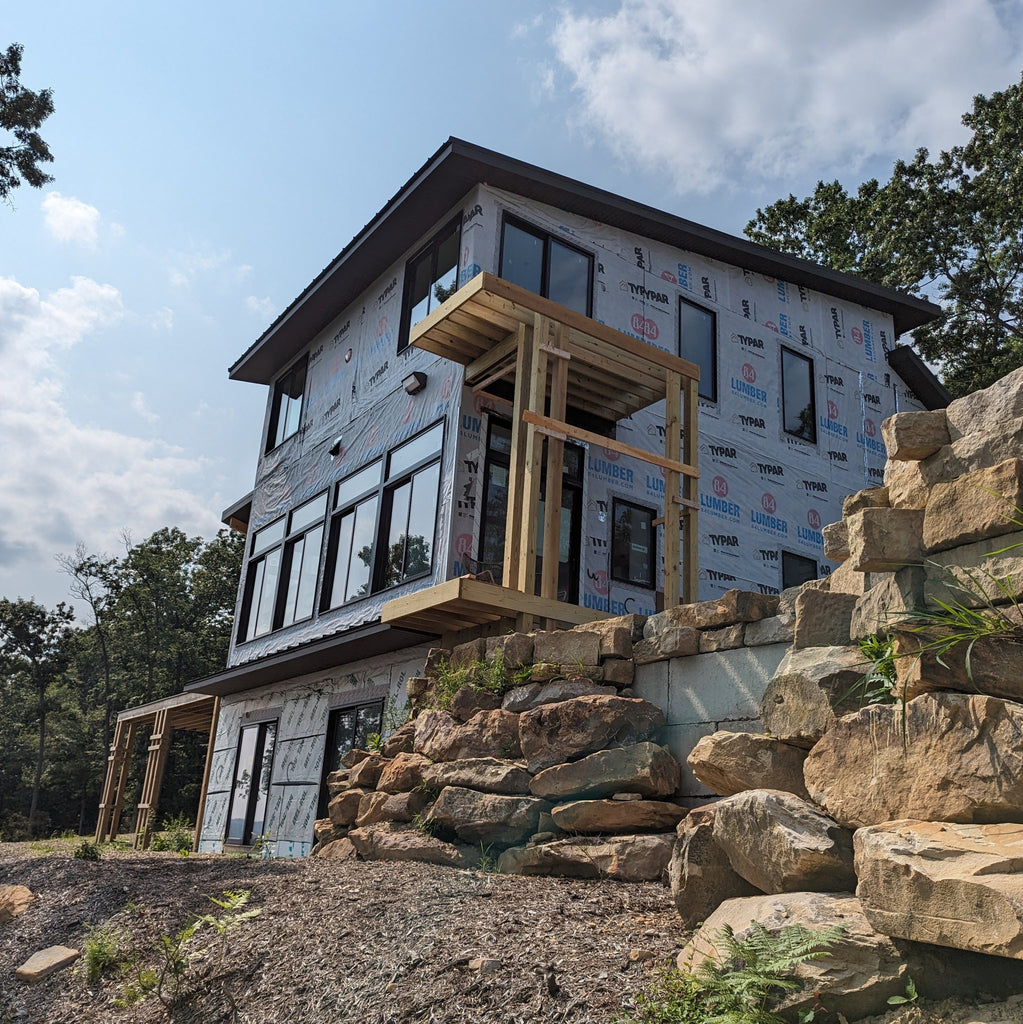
[366, 943]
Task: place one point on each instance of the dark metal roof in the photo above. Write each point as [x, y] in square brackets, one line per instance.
[918, 377]
[329, 652]
[459, 166]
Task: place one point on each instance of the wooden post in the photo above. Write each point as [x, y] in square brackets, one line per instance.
[113, 784]
[555, 470]
[513, 513]
[210, 743]
[672, 483]
[156, 761]
[691, 492]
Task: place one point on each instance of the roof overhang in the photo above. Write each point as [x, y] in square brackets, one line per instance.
[917, 375]
[459, 166]
[317, 655]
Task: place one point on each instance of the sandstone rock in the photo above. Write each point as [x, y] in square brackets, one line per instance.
[809, 689]
[780, 843]
[436, 657]
[911, 436]
[843, 580]
[323, 832]
[952, 757]
[617, 817]
[470, 653]
[556, 733]
[779, 629]
[371, 808]
[619, 673]
[642, 768]
[403, 773]
[344, 808]
[514, 649]
[946, 884]
[985, 572]
[366, 773]
[907, 486]
[615, 636]
[670, 642]
[974, 507]
[731, 607]
[632, 622]
[884, 539]
[486, 817]
[567, 648]
[730, 762]
[836, 541]
[995, 668]
[641, 858]
[338, 849]
[487, 734]
[871, 497]
[337, 782]
[487, 774]
[726, 639]
[987, 412]
[471, 699]
[700, 876]
[823, 619]
[14, 900]
[394, 841]
[416, 687]
[44, 963]
[353, 757]
[533, 695]
[402, 806]
[400, 741]
[891, 597]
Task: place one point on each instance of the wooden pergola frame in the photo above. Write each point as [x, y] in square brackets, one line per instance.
[194, 711]
[556, 359]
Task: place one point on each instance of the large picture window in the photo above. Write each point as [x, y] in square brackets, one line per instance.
[250, 791]
[698, 344]
[385, 520]
[431, 276]
[633, 545]
[280, 587]
[286, 409]
[798, 407]
[545, 265]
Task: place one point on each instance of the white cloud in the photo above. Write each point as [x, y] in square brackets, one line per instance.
[715, 93]
[138, 404]
[261, 307]
[70, 220]
[62, 481]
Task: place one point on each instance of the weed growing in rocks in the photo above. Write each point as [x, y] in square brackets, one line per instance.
[491, 676]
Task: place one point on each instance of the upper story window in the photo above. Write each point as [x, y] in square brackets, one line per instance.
[280, 586]
[698, 343]
[286, 410]
[431, 276]
[798, 406]
[545, 265]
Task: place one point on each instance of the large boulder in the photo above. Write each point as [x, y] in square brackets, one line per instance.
[440, 737]
[946, 757]
[533, 695]
[556, 733]
[810, 689]
[366, 773]
[823, 619]
[567, 648]
[14, 900]
[730, 762]
[946, 884]
[622, 858]
[617, 817]
[644, 768]
[975, 506]
[884, 539]
[400, 741]
[336, 849]
[725, 610]
[912, 436]
[487, 774]
[403, 773]
[989, 665]
[486, 817]
[391, 840]
[780, 843]
[344, 808]
[700, 876]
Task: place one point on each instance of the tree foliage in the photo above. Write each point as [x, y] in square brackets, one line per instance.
[951, 227]
[22, 113]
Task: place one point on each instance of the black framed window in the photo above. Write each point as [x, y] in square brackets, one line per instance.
[286, 410]
[348, 728]
[798, 404]
[284, 561]
[384, 524]
[796, 570]
[431, 276]
[544, 264]
[633, 544]
[250, 790]
[698, 343]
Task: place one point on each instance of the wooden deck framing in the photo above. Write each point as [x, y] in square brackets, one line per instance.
[556, 358]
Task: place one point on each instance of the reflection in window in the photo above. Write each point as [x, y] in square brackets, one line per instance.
[347, 729]
[545, 265]
[799, 410]
[633, 545]
[430, 278]
[250, 792]
[698, 344]
[286, 409]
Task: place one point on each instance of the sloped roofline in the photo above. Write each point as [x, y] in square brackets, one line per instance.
[457, 167]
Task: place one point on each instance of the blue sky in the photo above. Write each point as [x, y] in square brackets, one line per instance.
[211, 158]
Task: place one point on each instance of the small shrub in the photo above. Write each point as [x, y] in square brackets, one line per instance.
[490, 676]
[879, 684]
[176, 836]
[101, 950]
[86, 850]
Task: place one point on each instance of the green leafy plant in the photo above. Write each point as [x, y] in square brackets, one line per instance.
[102, 948]
[86, 850]
[910, 996]
[426, 825]
[488, 860]
[878, 685]
[490, 676]
[374, 741]
[176, 835]
[675, 998]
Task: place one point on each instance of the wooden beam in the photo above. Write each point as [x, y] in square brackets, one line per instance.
[502, 352]
[156, 761]
[513, 512]
[555, 469]
[210, 744]
[528, 482]
[119, 753]
[691, 496]
[672, 483]
[561, 429]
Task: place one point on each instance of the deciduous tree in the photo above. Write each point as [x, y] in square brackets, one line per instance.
[22, 113]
